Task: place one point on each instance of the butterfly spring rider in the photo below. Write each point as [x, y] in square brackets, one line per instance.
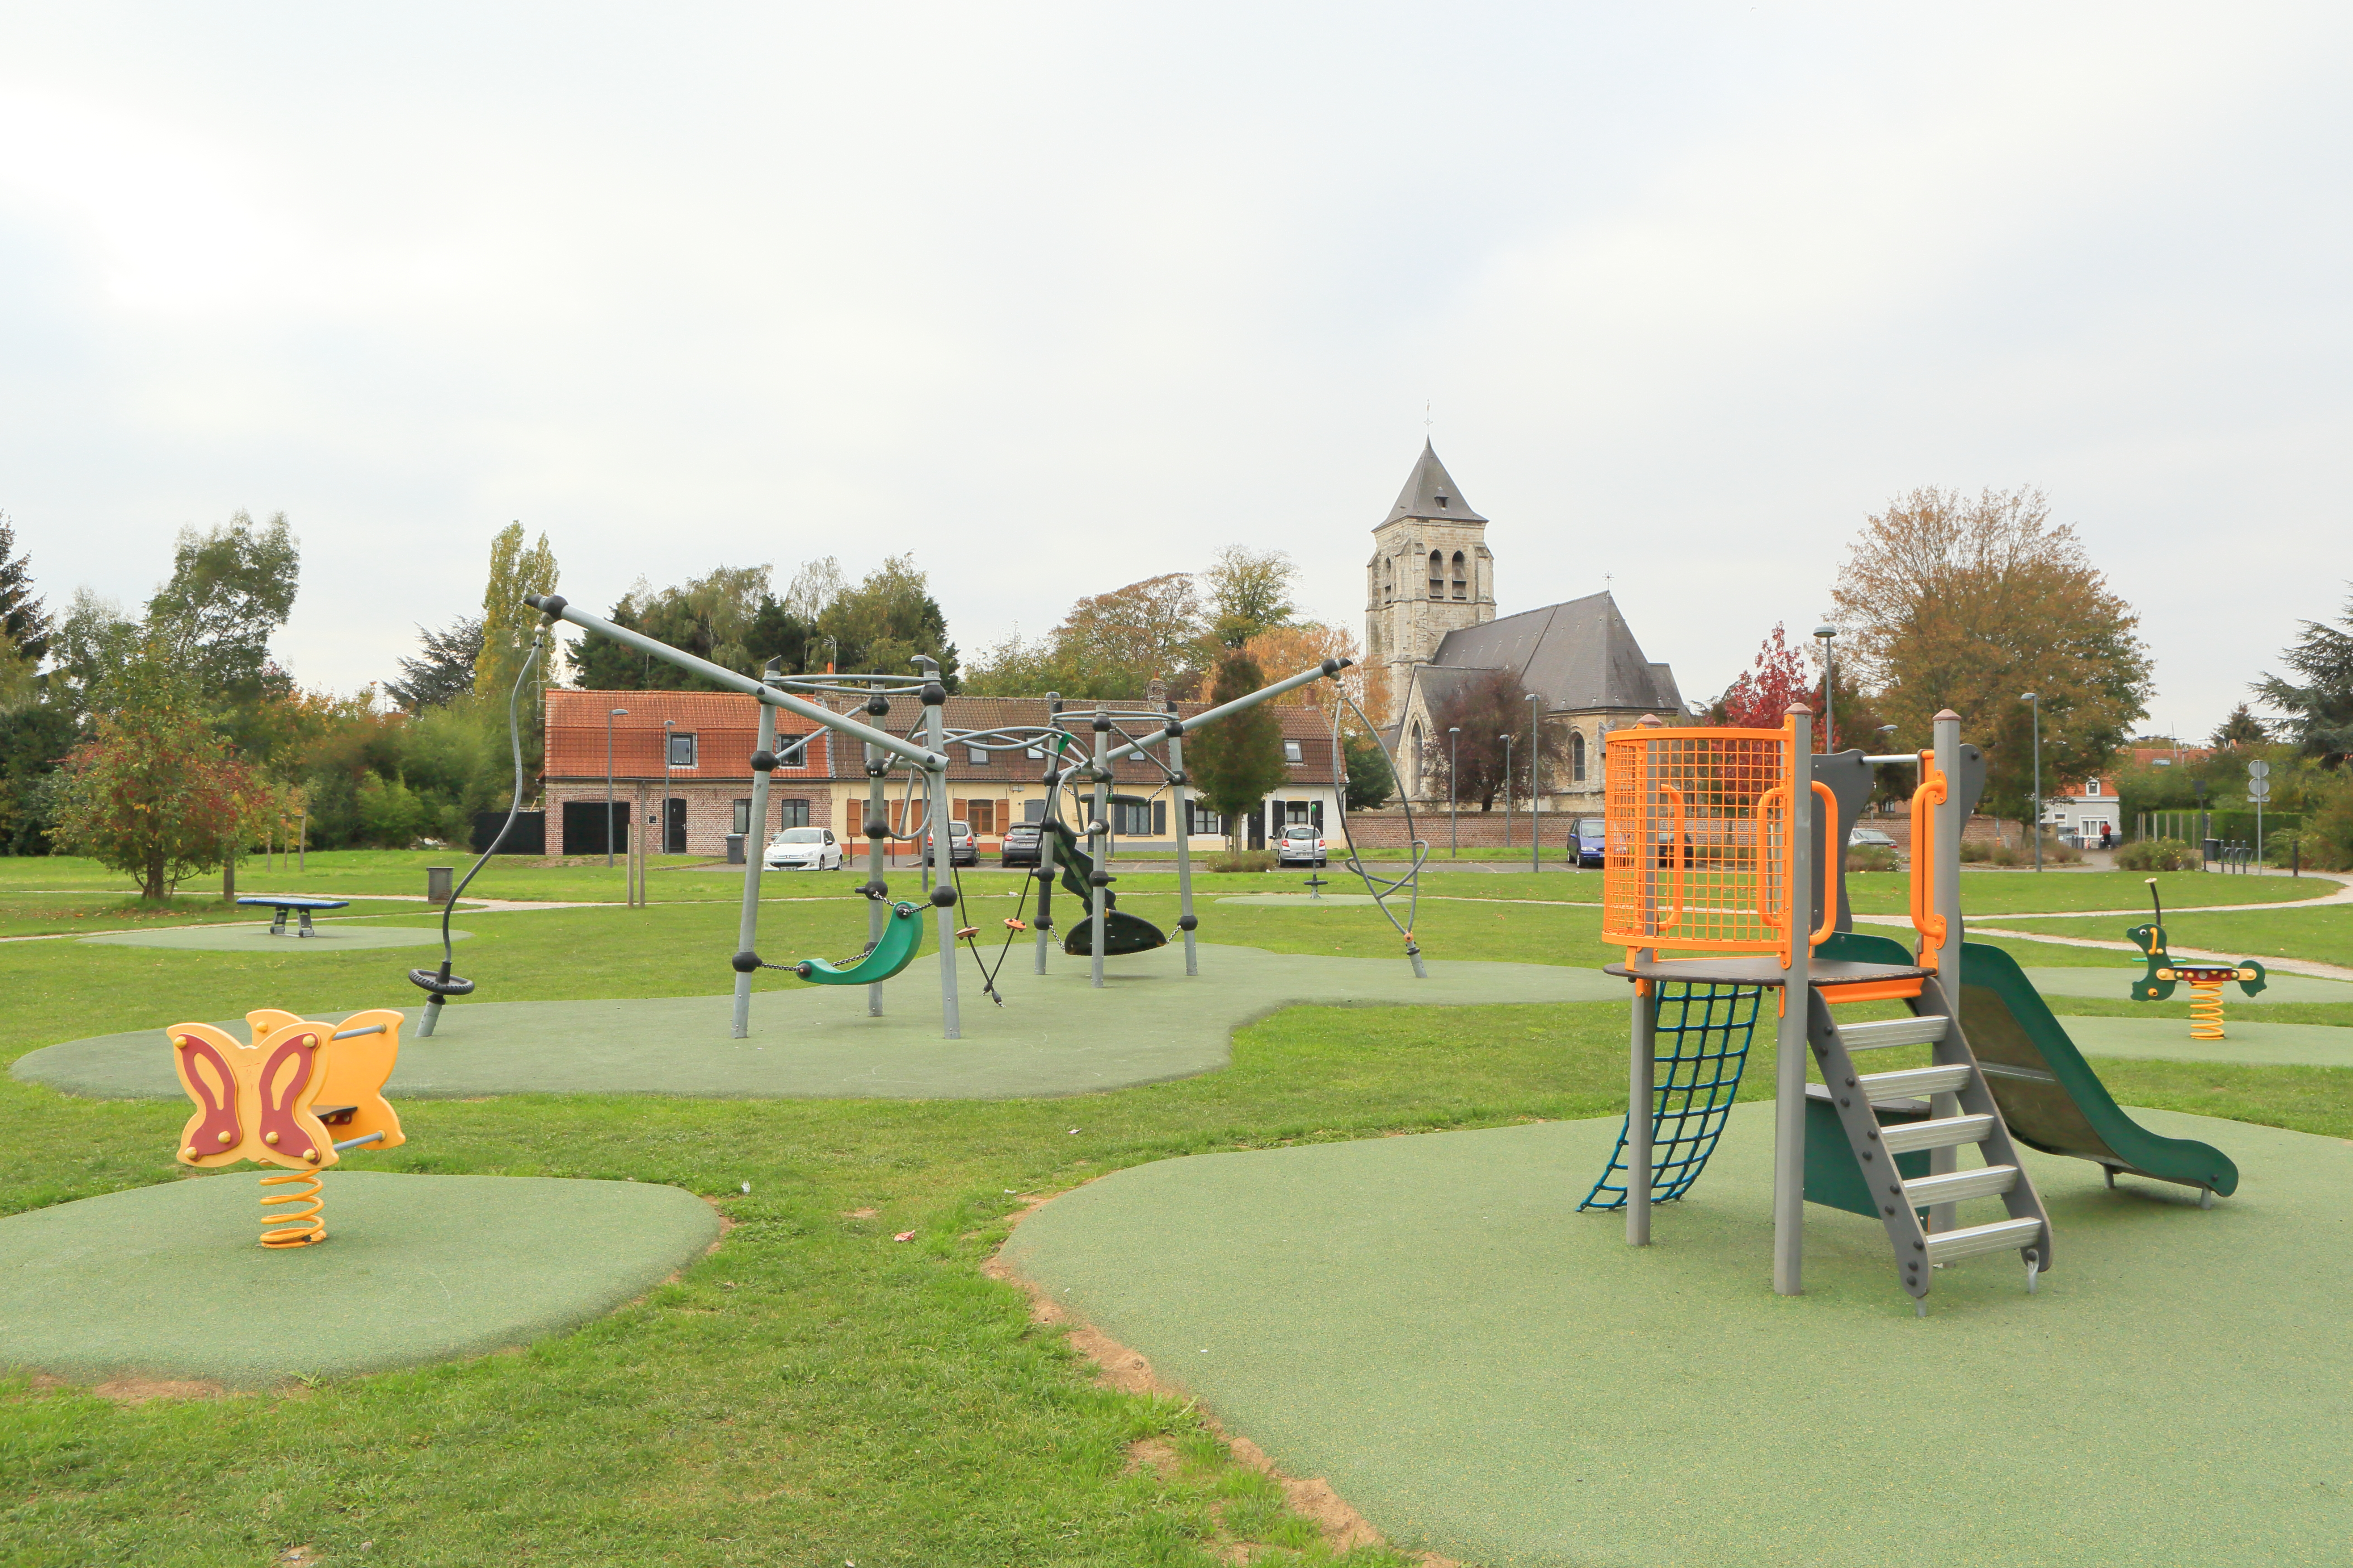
[298, 1096]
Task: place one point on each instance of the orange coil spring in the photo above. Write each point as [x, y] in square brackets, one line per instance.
[301, 1228]
[2205, 1009]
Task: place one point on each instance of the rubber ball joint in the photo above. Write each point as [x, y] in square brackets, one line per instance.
[945, 897]
[744, 962]
[1187, 922]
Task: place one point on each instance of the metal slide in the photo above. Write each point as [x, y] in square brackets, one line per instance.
[2049, 1094]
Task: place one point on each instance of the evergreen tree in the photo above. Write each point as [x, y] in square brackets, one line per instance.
[2241, 729]
[24, 622]
[1371, 780]
[444, 671]
[2320, 713]
[1237, 760]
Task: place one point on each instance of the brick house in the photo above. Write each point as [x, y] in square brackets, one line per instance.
[708, 738]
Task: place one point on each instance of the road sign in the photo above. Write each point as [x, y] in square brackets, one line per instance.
[2258, 789]
[2259, 770]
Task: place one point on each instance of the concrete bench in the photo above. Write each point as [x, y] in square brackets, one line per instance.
[300, 904]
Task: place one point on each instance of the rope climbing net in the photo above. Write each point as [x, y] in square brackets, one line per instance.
[1700, 1044]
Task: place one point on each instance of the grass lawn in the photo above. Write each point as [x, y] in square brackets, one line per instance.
[1987, 892]
[814, 1392]
[2324, 936]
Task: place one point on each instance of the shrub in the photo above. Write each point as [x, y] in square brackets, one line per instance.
[1244, 860]
[2157, 855]
[1871, 857]
[2327, 833]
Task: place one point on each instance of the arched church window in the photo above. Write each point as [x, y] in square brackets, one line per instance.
[1576, 756]
[1461, 586]
[1413, 760]
[1388, 579]
[1436, 576]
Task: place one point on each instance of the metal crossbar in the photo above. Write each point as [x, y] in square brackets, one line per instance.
[1702, 1043]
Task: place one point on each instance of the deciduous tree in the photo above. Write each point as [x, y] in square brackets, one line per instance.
[154, 793]
[1961, 603]
[1238, 760]
[231, 588]
[1776, 680]
[1485, 707]
[1249, 591]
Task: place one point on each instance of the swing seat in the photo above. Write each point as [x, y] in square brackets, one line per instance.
[1122, 932]
[902, 933]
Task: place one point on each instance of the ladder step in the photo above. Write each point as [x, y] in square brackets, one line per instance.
[1941, 1132]
[1925, 1029]
[1884, 1086]
[1976, 1238]
[1987, 1181]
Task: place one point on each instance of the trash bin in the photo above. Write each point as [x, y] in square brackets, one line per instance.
[2211, 850]
[436, 884]
[735, 849]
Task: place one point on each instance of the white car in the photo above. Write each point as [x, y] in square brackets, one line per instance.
[1301, 844]
[1869, 838]
[805, 849]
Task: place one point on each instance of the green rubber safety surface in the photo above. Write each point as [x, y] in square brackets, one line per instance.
[2090, 981]
[1056, 1034]
[2249, 1041]
[255, 939]
[170, 1282]
[1484, 1371]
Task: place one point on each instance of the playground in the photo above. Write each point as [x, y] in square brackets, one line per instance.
[695, 1186]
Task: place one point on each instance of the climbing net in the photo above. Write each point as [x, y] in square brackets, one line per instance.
[1699, 1047]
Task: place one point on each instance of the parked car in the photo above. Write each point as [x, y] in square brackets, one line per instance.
[962, 851]
[1869, 838]
[1021, 845]
[1586, 838]
[1301, 844]
[805, 849]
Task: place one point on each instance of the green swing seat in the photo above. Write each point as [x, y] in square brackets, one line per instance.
[902, 933]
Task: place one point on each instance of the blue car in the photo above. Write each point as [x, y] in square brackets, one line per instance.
[1585, 839]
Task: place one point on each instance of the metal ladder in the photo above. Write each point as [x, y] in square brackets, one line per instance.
[1962, 1112]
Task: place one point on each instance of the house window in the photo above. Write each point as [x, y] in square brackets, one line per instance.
[1576, 756]
[1036, 753]
[682, 751]
[742, 818]
[1461, 588]
[1298, 811]
[1200, 820]
[1291, 753]
[1033, 811]
[793, 753]
[980, 816]
[1131, 818]
[794, 814]
[977, 755]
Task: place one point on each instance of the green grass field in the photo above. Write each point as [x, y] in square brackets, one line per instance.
[2324, 935]
[814, 1392]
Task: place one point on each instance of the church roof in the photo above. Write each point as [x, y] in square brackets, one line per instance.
[1580, 654]
[1430, 491]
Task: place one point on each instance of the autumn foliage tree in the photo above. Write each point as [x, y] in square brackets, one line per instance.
[1776, 680]
[1485, 708]
[154, 793]
[1967, 603]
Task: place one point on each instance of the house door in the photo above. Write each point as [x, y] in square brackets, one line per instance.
[674, 828]
[1258, 826]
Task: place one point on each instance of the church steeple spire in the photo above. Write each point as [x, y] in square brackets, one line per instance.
[1430, 491]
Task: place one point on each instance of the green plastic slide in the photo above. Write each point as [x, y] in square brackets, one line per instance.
[2049, 1094]
[902, 933]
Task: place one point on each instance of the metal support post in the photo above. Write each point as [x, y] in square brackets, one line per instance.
[747, 929]
[878, 815]
[1046, 825]
[1640, 1094]
[1535, 790]
[1945, 732]
[1096, 835]
[1796, 996]
[1177, 808]
[935, 736]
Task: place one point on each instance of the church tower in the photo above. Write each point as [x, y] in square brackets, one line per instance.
[1430, 574]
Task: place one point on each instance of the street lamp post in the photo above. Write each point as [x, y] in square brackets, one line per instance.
[667, 787]
[1508, 789]
[2034, 706]
[1535, 795]
[1453, 790]
[1829, 683]
[610, 715]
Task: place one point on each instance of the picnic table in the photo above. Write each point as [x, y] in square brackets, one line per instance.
[300, 904]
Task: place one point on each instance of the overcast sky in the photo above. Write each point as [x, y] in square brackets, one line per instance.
[1056, 298]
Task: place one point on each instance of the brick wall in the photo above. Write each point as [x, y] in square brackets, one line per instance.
[709, 812]
[1477, 829]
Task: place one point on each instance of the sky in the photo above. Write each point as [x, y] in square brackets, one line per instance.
[1058, 298]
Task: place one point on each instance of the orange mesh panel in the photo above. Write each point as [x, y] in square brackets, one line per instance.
[1697, 848]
